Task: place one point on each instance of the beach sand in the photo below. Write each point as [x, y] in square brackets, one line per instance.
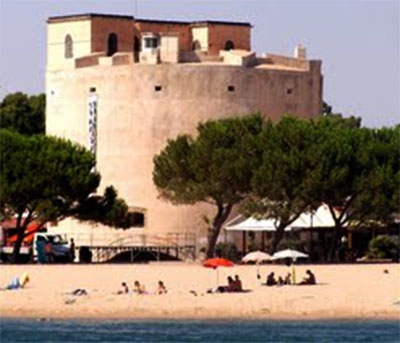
[343, 291]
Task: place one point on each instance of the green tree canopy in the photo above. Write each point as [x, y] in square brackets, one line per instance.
[46, 179]
[357, 174]
[216, 167]
[22, 113]
[281, 182]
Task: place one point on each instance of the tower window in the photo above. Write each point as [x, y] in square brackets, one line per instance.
[196, 45]
[289, 91]
[68, 47]
[229, 45]
[151, 42]
[138, 219]
[158, 88]
[231, 88]
[112, 44]
[92, 89]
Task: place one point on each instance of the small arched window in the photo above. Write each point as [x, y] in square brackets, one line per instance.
[229, 45]
[196, 45]
[112, 44]
[68, 47]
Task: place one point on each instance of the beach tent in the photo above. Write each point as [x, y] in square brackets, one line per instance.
[321, 218]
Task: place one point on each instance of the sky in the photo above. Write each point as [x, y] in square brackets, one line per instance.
[358, 42]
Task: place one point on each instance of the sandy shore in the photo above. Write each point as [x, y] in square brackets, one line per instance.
[343, 291]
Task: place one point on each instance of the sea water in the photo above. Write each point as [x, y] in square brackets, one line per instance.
[198, 331]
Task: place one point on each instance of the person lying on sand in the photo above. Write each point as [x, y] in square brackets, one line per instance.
[18, 283]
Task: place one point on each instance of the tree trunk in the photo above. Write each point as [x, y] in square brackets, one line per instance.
[277, 238]
[15, 258]
[333, 245]
[219, 219]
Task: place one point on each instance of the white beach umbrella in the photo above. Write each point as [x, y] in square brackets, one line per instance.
[257, 257]
[288, 253]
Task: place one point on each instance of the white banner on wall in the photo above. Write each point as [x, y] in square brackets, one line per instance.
[92, 105]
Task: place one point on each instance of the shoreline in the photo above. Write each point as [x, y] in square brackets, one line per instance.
[283, 318]
[343, 292]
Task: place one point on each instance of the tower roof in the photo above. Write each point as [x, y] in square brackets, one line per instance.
[74, 17]
[84, 16]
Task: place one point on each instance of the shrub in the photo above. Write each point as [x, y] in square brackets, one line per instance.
[290, 243]
[228, 251]
[383, 246]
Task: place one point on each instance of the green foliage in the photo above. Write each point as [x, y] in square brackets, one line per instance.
[24, 114]
[357, 173]
[383, 246]
[216, 167]
[290, 243]
[281, 170]
[228, 251]
[48, 179]
[281, 183]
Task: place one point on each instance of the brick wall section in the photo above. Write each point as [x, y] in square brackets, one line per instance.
[183, 32]
[219, 34]
[102, 27]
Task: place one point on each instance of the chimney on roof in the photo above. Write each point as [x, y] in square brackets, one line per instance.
[300, 52]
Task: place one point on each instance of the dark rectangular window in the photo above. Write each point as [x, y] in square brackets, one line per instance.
[138, 219]
[231, 88]
[289, 91]
[92, 89]
[158, 88]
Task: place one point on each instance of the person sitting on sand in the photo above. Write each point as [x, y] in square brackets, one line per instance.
[280, 281]
[237, 284]
[271, 279]
[309, 279]
[287, 280]
[138, 288]
[161, 288]
[124, 289]
[223, 289]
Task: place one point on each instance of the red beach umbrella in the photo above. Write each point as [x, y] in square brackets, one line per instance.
[217, 262]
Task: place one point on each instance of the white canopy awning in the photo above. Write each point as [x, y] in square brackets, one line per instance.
[321, 218]
[252, 224]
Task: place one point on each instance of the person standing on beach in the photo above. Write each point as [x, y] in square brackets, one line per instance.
[49, 252]
[72, 251]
